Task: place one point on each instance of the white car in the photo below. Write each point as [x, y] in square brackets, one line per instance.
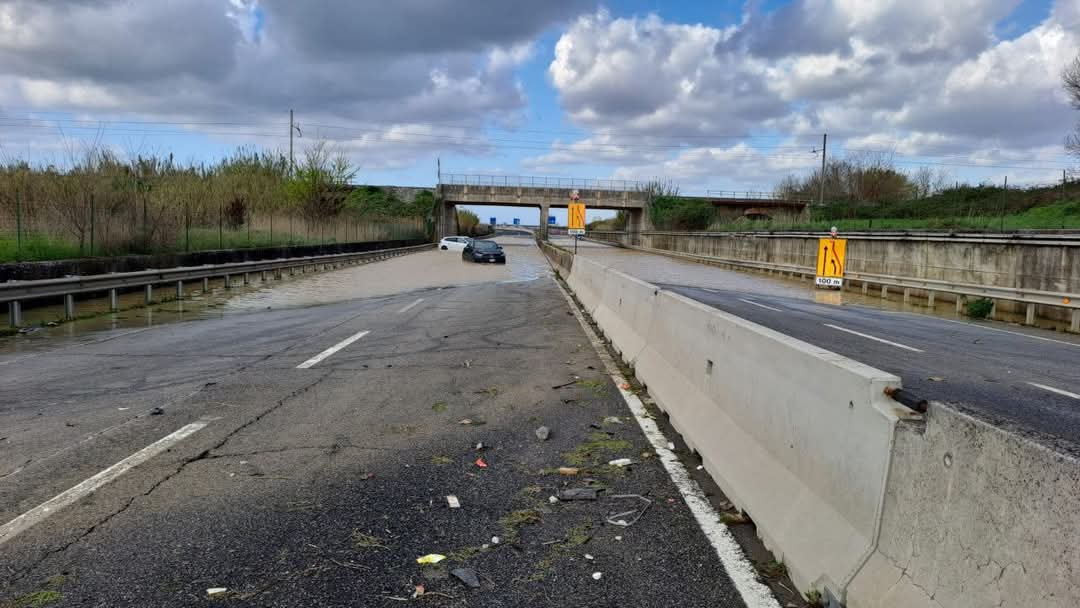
[454, 243]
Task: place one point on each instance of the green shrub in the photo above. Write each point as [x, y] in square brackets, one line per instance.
[980, 309]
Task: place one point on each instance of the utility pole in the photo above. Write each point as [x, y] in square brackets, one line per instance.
[824, 144]
[292, 161]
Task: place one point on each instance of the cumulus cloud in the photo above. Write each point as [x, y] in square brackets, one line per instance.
[915, 77]
[408, 62]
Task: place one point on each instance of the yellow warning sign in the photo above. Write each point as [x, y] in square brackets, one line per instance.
[576, 215]
[830, 262]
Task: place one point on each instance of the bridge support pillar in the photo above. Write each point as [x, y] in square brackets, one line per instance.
[445, 219]
[545, 211]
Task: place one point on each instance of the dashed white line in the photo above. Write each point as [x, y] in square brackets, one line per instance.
[1054, 390]
[333, 349]
[410, 306]
[754, 593]
[760, 305]
[71, 495]
[874, 338]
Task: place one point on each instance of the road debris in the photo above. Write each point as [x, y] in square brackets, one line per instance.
[571, 383]
[453, 501]
[628, 518]
[625, 386]
[480, 463]
[430, 558]
[588, 557]
[936, 379]
[157, 411]
[621, 462]
[467, 576]
[597, 575]
[216, 591]
[553, 499]
[494, 540]
[612, 420]
[479, 445]
[699, 467]
[418, 591]
[618, 538]
[543, 433]
[468, 364]
[568, 471]
[470, 421]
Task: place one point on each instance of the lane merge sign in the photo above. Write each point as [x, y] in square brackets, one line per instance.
[830, 262]
[575, 216]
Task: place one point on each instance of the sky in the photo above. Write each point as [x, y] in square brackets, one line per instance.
[708, 94]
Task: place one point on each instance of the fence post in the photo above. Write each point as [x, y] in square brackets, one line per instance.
[18, 226]
[91, 224]
[221, 225]
[187, 226]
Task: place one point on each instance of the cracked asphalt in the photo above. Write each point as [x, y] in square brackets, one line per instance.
[322, 486]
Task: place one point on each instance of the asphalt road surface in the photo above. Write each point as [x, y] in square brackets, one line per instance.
[1024, 379]
[302, 456]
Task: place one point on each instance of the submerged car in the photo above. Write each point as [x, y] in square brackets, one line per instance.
[488, 252]
[454, 243]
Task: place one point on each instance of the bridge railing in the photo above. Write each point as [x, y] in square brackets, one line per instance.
[528, 181]
[754, 196]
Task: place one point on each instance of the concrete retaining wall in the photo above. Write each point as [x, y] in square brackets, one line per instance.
[798, 437]
[1019, 262]
[974, 516]
[859, 497]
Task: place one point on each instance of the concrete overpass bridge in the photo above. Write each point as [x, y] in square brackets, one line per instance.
[543, 193]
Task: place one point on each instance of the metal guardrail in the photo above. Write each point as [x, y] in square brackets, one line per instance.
[1029, 297]
[525, 181]
[1030, 237]
[15, 292]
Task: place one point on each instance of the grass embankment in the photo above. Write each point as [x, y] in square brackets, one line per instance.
[976, 208]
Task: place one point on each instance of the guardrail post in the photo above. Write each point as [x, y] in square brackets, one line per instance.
[1029, 315]
[1074, 326]
[179, 290]
[907, 296]
[959, 303]
[930, 298]
[865, 287]
[206, 284]
[247, 278]
[148, 294]
[228, 282]
[263, 276]
[114, 300]
[15, 314]
[69, 306]
[884, 292]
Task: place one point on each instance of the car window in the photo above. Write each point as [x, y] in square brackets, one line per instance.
[485, 245]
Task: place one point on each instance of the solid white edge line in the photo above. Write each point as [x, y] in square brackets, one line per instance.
[754, 593]
[41, 512]
[410, 306]
[1004, 331]
[760, 305]
[333, 349]
[874, 338]
[1054, 390]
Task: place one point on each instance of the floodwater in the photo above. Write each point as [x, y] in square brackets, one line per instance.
[660, 269]
[421, 270]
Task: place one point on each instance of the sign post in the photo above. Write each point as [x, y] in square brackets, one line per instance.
[830, 261]
[575, 218]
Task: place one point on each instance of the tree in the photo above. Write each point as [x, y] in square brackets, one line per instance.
[1071, 79]
[319, 187]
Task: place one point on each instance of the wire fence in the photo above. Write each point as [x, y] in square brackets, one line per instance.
[103, 219]
[527, 181]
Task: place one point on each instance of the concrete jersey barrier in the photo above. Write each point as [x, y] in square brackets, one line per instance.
[798, 437]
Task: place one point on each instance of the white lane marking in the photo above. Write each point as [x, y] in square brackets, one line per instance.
[71, 495]
[874, 338]
[758, 304]
[1005, 331]
[409, 307]
[1054, 390]
[740, 571]
[710, 290]
[333, 349]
